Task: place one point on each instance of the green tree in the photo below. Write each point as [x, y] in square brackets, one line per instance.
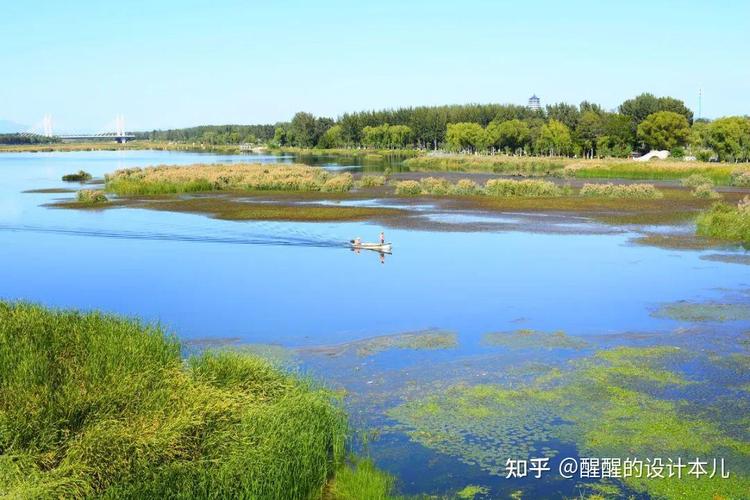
[511, 135]
[640, 107]
[730, 138]
[399, 136]
[469, 137]
[332, 138]
[664, 130]
[564, 113]
[590, 128]
[554, 139]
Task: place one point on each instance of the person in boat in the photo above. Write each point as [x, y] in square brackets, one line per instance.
[382, 237]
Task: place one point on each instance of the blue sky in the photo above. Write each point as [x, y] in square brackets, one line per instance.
[182, 63]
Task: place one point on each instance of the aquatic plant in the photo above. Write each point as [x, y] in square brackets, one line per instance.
[421, 340]
[408, 188]
[470, 492]
[94, 405]
[361, 480]
[240, 177]
[633, 191]
[606, 406]
[725, 222]
[703, 311]
[80, 176]
[526, 338]
[529, 188]
[91, 196]
[435, 186]
[370, 181]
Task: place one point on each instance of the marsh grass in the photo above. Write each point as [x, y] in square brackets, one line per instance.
[420, 340]
[91, 197]
[97, 406]
[726, 222]
[361, 480]
[235, 177]
[80, 176]
[632, 191]
[703, 311]
[527, 188]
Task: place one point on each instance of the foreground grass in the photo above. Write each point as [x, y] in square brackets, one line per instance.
[236, 177]
[94, 405]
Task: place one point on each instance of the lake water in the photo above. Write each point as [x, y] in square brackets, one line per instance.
[296, 284]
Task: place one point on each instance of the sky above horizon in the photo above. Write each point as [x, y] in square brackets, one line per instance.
[166, 64]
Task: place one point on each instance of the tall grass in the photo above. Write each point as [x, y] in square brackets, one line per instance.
[80, 176]
[94, 405]
[632, 191]
[528, 188]
[654, 170]
[242, 177]
[91, 197]
[726, 222]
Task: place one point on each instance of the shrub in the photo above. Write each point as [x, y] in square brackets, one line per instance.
[696, 180]
[97, 406]
[91, 196]
[368, 181]
[609, 190]
[741, 178]
[466, 187]
[525, 188]
[408, 188]
[80, 176]
[706, 191]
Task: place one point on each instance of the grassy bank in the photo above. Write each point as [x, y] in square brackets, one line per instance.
[236, 177]
[94, 405]
[720, 173]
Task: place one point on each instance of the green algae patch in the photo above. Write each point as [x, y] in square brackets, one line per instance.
[743, 259]
[696, 312]
[607, 405]
[471, 491]
[421, 340]
[527, 339]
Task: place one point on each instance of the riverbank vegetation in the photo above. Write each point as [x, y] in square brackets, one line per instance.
[91, 197]
[633, 191]
[94, 405]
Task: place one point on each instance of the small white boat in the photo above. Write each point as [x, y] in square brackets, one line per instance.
[378, 247]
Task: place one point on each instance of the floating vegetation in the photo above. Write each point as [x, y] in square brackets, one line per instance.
[726, 222]
[238, 177]
[526, 338]
[422, 340]
[632, 191]
[695, 312]
[706, 191]
[80, 176]
[696, 180]
[94, 405]
[608, 405]
[91, 197]
[471, 491]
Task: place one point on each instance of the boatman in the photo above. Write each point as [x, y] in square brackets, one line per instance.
[382, 238]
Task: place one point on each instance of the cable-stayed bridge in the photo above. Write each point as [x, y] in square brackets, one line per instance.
[114, 130]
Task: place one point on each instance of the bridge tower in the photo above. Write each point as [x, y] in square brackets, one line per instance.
[47, 126]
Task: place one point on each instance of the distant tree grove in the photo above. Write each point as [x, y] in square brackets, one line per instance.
[642, 123]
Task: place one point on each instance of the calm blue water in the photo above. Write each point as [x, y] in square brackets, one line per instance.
[294, 283]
